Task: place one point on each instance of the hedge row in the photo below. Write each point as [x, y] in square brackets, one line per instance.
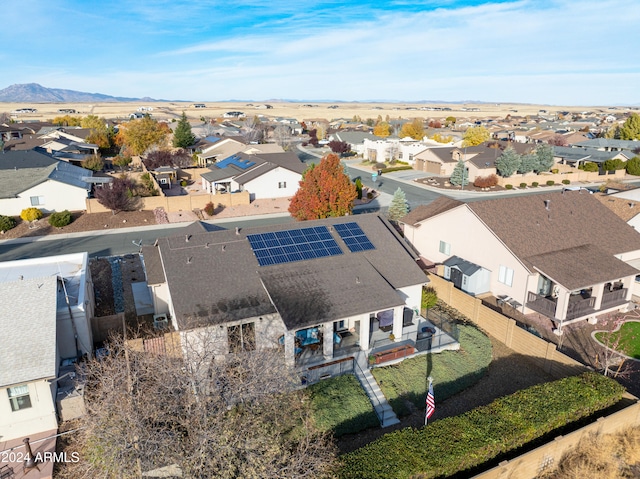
[458, 443]
[395, 168]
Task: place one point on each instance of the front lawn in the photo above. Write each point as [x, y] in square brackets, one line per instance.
[626, 340]
[452, 372]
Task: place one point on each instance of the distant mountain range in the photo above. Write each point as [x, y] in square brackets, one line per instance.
[33, 92]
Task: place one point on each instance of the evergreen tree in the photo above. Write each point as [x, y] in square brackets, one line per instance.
[631, 128]
[182, 136]
[508, 162]
[460, 175]
[529, 163]
[545, 157]
[399, 206]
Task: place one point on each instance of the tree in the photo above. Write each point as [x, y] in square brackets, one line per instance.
[94, 163]
[475, 136]
[614, 164]
[67, 120]
[313, 137]
[508, 162]
[460, 175]
[558, 140]
[137, 136]
[241, 417]
[182, 135]
[122, 161]
[252, 130]
[429, 298]
[415, 129]
[340, 147]
[633, 166]
[450, 120]
[325, 191]
[529, 163]
[382, 129]
[544, 153]
[117, 195]
[399, 206]
[358, 183]
[282, 136]
[630, 129]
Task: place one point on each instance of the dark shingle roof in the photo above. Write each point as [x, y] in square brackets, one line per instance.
[215, 277]
[422, 212]
[466, 267]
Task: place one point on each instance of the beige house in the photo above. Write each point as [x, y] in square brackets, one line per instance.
[561, 254]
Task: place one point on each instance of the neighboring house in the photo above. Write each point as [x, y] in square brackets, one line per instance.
[385, 149]
[608, 144]
[264, 175]
[45, 319]
[322, 290]
[561, 254]
[355, 138]
[29, 178]
[577, 156]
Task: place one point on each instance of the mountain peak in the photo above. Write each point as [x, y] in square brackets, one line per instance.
[34, 92]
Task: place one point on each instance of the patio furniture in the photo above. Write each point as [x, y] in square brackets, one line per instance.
[309, 336]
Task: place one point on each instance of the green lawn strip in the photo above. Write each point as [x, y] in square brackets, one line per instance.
[458, 443]
[341, 405]
[628, 336]
[452, 371]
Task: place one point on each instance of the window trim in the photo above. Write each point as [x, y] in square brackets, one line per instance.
[444, 247]
[505, 275]
[19, 397]
[39, 200]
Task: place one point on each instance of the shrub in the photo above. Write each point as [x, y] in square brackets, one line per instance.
[396, 168]
[209, 208]
[485, 181]
[616, 164]
[633, 166]
[554, 171]
[7, 223]
[566, 182]
[462, 442]
[535, 184]
[31, 214]
[60, 219]
[359, 188]
[370, 195]
[183, 183]
[508, 187]
[550, 182]
[590, 166]
[523, 185]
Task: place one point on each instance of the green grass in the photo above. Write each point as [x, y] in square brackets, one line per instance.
[452, 372]
[340, 405]
[626, 339]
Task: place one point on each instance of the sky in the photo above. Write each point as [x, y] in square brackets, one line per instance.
[555, 52]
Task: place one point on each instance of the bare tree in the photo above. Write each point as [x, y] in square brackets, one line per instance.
[238, 416]
[282, 136]
[252, 130]
[609, 359]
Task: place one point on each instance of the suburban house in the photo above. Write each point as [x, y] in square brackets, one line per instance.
[320, 290]
[561, 254]
[479, 160]
[46, 327]
[577, 156]
[264, 175]
[384, 149]
[32, 179]
[219, 148]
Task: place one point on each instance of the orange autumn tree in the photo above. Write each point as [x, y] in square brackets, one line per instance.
[325, 191]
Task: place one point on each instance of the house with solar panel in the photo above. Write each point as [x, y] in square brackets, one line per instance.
[323, 291]
[263, 175]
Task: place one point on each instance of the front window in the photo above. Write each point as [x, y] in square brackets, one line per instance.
[19, 397]
[445, 248]
[37, 200]
[505, 276]
[282, 184]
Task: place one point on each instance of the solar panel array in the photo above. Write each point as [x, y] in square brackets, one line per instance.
[235, 160]
[293, 245]
[354, 237]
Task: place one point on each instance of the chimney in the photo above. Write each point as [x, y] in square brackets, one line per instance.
[546, 204]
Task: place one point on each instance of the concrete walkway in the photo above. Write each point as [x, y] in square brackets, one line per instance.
[383, 410]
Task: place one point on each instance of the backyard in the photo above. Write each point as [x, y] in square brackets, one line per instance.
[626, 340]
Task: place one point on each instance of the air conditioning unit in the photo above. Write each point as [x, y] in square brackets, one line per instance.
[160, 321]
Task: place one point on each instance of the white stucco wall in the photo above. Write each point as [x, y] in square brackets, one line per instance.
[267, 185]
[412, 296]
[471, 240]
[57, 197]
[40, 417]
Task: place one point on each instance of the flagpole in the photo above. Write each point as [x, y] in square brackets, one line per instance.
[430, 399]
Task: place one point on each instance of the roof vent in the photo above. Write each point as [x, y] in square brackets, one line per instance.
[224, 247]
[631, 205]
[547, 203]
[189, 260]
[357, 280]
[186, 238]
[237, 230]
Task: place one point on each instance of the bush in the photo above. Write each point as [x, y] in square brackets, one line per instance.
[617, 164]
[523, 185]
[535, 184]
[183, 183]
[459, 443]
[550, 182]
[508, 187]
[209, 208]
[370, 195]
[396, 168]
[554, 171]
[566, 182]
[7, 223]
[31, 214]
[590, 166]
[485, 181]
[60, 219]
[633, 166]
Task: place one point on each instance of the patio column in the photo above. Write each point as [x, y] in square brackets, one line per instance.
[289, 348]
[365, 326]
[563, 303]
[397, 322]
[597, 291]
[628, 283]
[327, 340]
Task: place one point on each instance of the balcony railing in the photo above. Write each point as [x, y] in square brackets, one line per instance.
[612, 298]
[541, 304]
[580, 307]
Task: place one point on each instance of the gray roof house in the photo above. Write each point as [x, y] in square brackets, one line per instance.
[315, 288]
[29, 178]
[562, 254]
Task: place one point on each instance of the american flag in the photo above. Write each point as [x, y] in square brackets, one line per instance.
[431, 403]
